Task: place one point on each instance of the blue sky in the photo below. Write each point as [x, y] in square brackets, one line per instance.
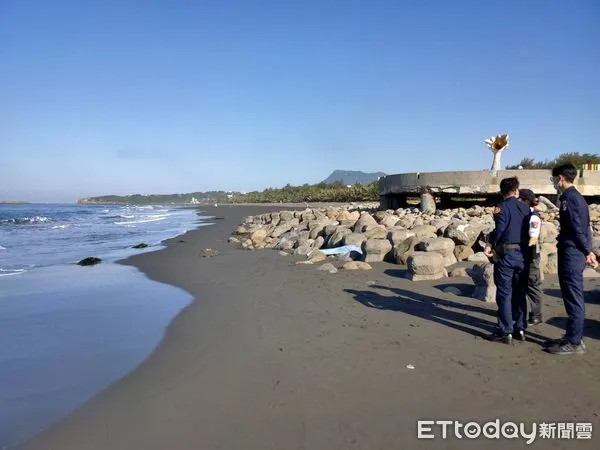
[101, 97]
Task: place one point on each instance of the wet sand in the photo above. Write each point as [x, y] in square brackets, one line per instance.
[272, 355]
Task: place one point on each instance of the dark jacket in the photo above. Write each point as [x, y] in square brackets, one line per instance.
[575, 228]
[512, 224]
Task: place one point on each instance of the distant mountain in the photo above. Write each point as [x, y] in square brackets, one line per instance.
[353, 177]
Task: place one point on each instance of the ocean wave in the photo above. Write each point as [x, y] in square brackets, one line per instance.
[144, 220]
[8, 272]
[60, 227]
[2, 248]
[119, 216]
[154, 216]
[26, 220]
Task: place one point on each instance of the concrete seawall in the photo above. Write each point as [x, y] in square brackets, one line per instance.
[394, 189]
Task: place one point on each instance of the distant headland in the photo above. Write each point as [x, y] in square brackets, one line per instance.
[154, 199]
[13, 202]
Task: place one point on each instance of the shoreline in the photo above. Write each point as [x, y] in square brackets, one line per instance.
[50, 296]
[273, 355]
[57, 315]
[146, 263]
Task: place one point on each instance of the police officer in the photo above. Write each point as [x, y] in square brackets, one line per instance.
[507, 246]
[532, 258]
[574, 252]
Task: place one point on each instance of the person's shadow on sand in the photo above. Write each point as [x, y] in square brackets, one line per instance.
[434, 309]
[589, 296]
[591, 328]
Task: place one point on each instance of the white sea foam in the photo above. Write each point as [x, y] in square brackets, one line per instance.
[60, 227]
[9, 272]
[155, 216]
[39, 219]
[26, 220]
[146, 220]
[2, 248]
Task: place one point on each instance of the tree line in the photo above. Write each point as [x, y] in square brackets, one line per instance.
[575, 158]
[321, 192]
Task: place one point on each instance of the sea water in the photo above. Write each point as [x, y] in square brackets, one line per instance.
[67, 332]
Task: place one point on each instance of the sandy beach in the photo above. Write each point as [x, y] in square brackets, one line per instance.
[273, 355]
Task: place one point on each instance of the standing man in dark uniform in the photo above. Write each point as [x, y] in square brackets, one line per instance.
[507, 245]
[574, 252]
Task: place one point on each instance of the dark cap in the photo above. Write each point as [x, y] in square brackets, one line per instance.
[527, 196]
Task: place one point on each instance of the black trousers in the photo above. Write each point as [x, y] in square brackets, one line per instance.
[534, 289]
